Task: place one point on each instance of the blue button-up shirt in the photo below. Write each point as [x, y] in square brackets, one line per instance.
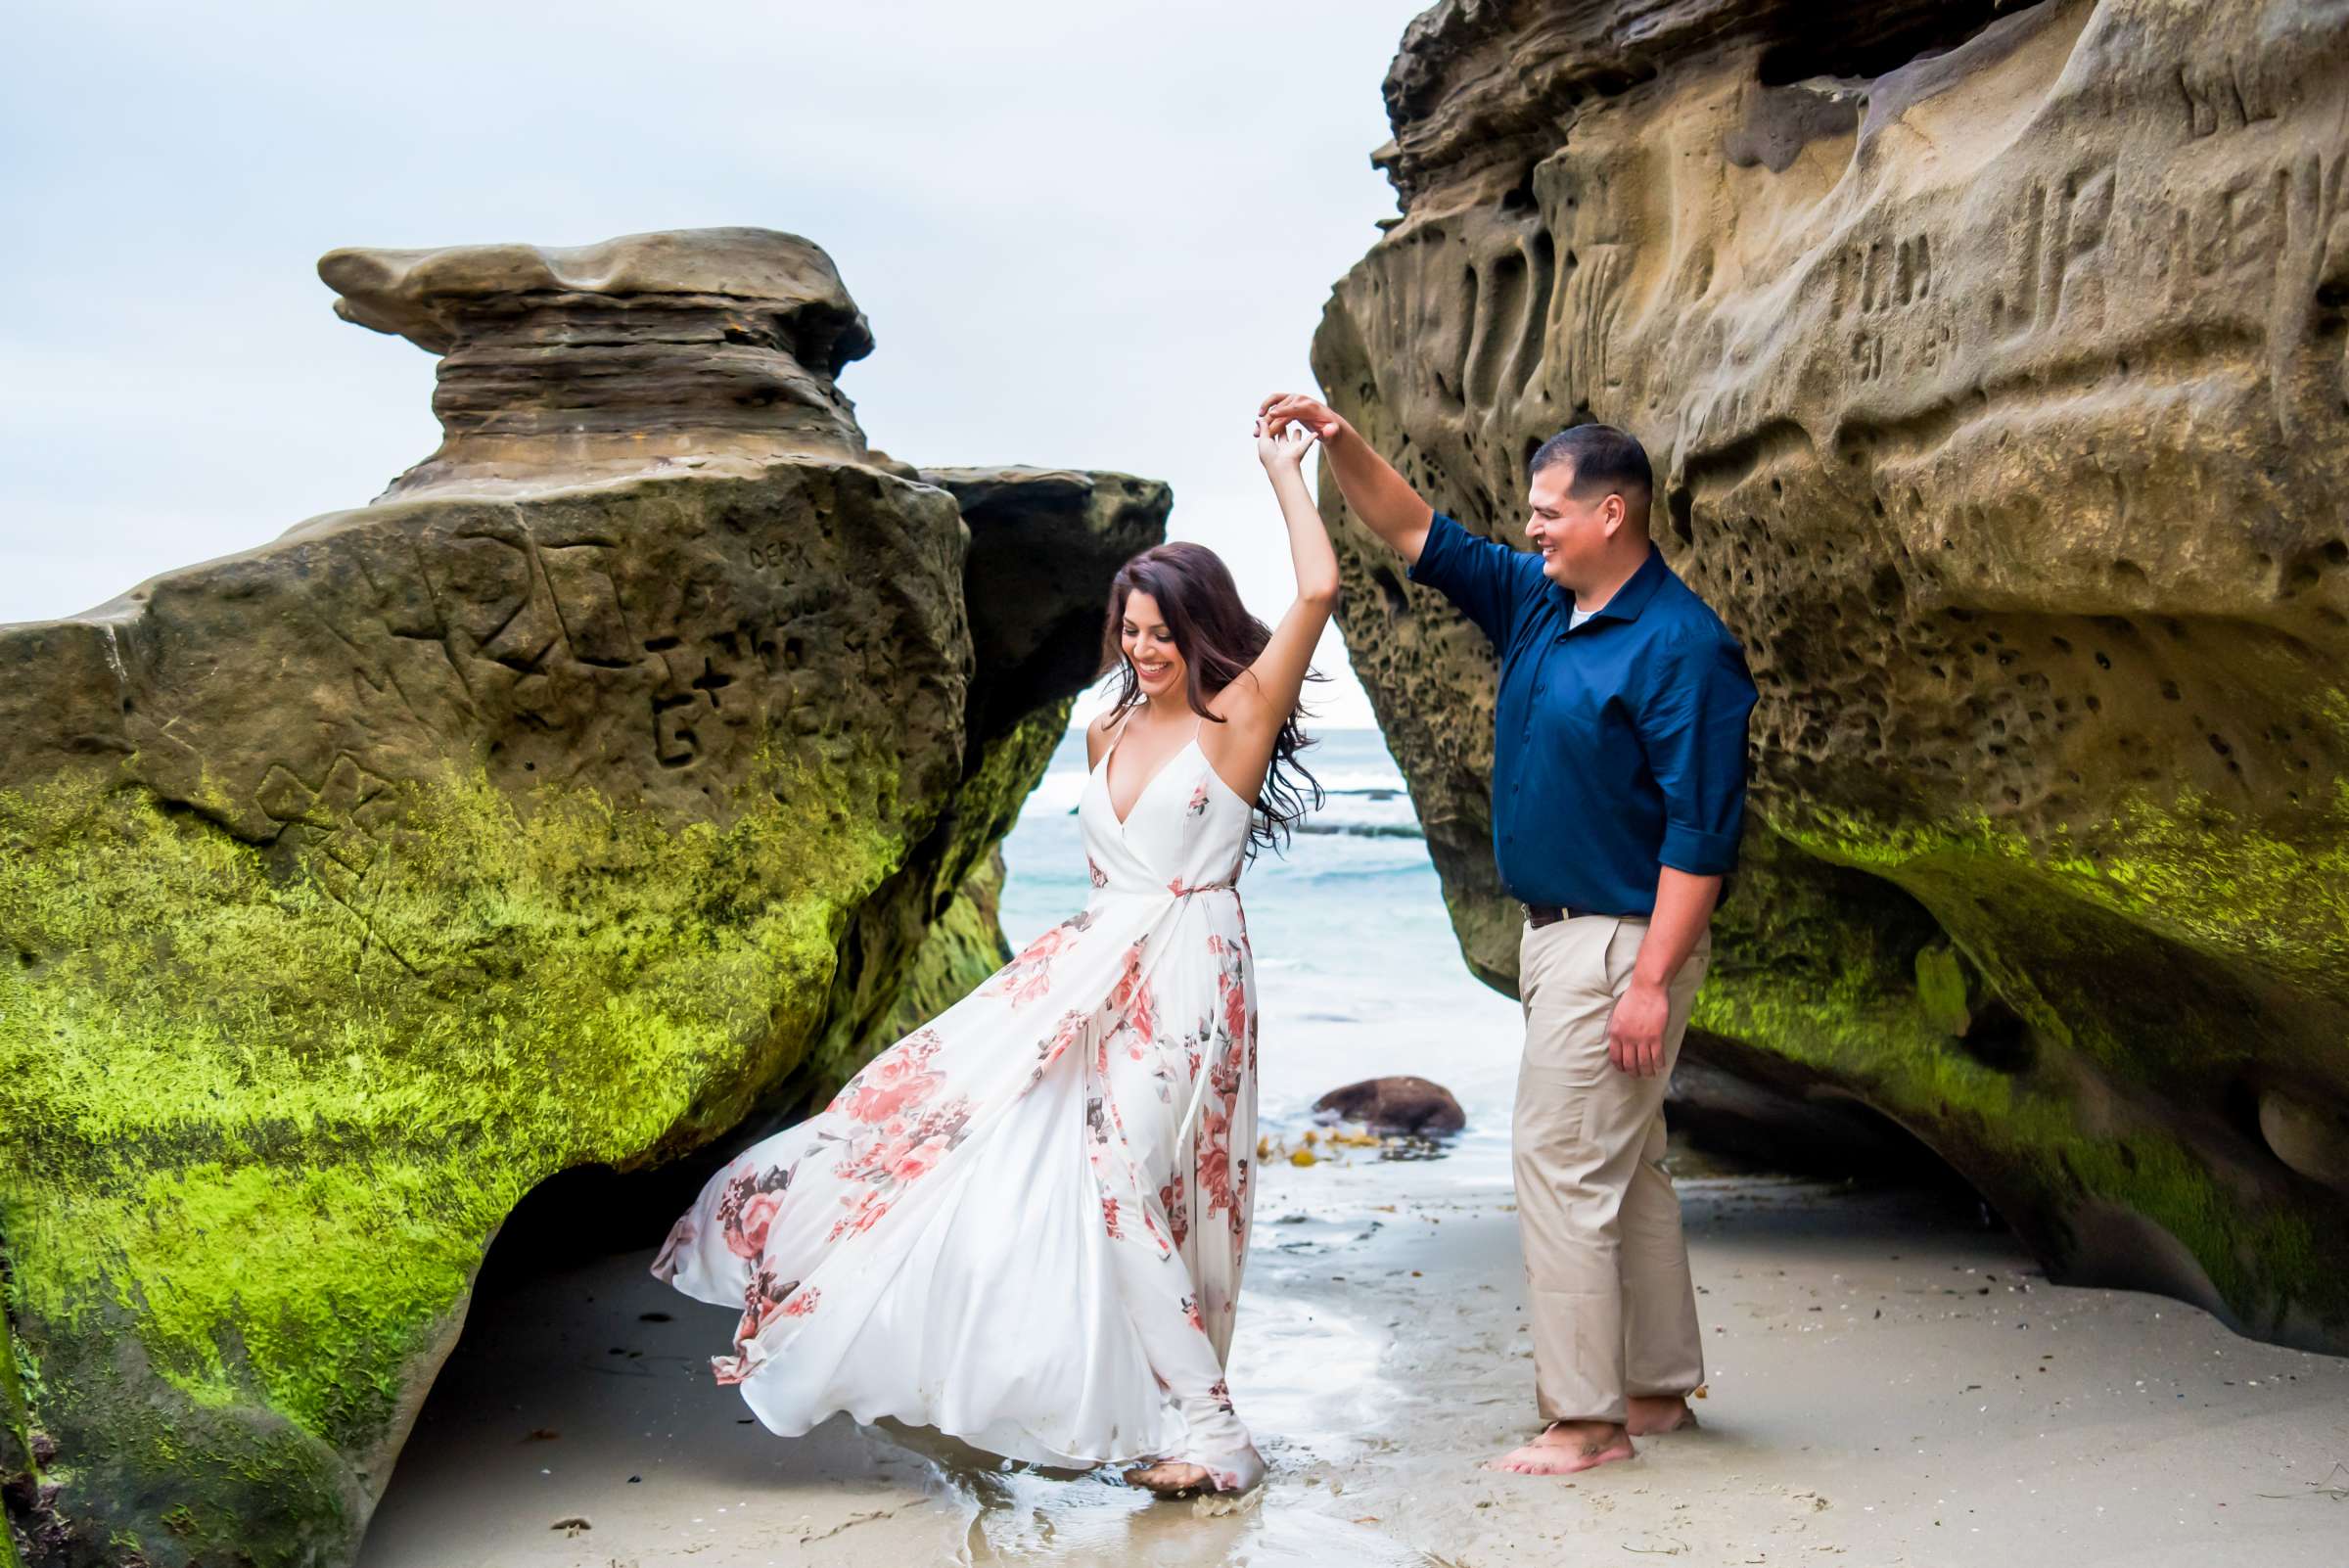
[1619, 745]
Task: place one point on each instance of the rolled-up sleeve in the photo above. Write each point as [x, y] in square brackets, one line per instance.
[1483, 579]
[1693, 724]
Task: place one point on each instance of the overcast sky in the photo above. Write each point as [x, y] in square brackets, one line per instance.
[1086, 234]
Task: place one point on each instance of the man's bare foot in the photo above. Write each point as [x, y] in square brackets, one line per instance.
[1169, 1478]
[1566, 1448]
[1654, 1417]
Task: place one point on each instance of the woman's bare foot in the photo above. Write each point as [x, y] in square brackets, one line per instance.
[1653, 1417]
[1169, 1478]
[1566, 1448]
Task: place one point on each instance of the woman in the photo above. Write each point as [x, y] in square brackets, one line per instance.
[1024, 1223]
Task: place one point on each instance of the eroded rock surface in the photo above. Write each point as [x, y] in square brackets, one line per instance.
[1993, 364]
[356, 884]
[713, 350]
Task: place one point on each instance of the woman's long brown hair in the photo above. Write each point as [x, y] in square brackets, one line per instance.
[1219, 639]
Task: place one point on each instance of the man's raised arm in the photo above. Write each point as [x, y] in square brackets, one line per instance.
[1381, 497]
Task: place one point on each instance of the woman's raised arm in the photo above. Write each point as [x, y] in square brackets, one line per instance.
[1267, 694]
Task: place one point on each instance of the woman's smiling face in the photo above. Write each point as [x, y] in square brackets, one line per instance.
[1149, 646]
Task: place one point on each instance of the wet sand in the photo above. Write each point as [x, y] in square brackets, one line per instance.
[1890, 1384]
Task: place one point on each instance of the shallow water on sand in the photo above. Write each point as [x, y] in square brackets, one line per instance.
[1890, 1384]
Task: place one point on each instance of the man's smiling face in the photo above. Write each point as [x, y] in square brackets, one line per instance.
[1570, 533]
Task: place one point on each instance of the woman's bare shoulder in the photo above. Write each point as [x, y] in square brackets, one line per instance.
[1099, 733]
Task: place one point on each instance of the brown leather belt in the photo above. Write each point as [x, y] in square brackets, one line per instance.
[1539, 915]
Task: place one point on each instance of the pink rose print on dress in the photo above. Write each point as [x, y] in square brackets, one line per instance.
[1174, 1201]
[1198, 805]
[1029, 976]
[897, 1078]
[1215, 1157]
[1222, 1175]
[747, 1207]
[918, 1161]
[749, 1239]
[762, 1302]
[1093, 869]
[861, 1218]
[1065, 1034]
[1190, 1312]
[1132, 996]
[1235, 1023]
[886, 1157]
[1109, 1218]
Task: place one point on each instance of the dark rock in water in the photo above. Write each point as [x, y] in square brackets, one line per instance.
[1402, 1105]
[607, 788]
[2017, 471]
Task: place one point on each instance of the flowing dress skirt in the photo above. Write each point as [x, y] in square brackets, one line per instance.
[1024, 1223]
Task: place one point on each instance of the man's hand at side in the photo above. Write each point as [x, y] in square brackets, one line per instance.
[1635, 1028]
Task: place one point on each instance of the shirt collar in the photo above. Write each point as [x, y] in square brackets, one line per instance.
[1640, 588]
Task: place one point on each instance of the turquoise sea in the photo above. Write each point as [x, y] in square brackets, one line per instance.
[1357, 972]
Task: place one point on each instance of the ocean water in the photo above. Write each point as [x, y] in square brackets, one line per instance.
[1357, 972]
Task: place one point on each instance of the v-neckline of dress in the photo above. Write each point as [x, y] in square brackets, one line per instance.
[1109, 791]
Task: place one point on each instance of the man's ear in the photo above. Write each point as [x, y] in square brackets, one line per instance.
[1613, 513]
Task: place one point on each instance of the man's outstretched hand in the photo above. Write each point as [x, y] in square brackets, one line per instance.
[1382, 499]
[1282, 409]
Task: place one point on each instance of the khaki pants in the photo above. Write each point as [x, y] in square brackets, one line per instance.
[1613, 1309]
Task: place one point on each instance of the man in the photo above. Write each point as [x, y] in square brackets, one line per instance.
[1618, 795]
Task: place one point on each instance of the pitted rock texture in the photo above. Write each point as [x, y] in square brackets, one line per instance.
[357, 884]
[1992, 363]
[710, 349]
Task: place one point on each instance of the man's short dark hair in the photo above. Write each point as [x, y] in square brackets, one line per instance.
[1605, 459]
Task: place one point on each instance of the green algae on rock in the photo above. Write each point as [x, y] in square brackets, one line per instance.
[2015, 463]
[357, 884]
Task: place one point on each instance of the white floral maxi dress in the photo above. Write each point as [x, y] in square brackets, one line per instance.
[1023, 1224]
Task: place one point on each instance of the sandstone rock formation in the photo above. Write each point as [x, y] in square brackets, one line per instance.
[356, 884]
[1993, 360]
[713, 350]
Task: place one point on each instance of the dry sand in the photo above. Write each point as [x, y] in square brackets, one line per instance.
[1889, 1385]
